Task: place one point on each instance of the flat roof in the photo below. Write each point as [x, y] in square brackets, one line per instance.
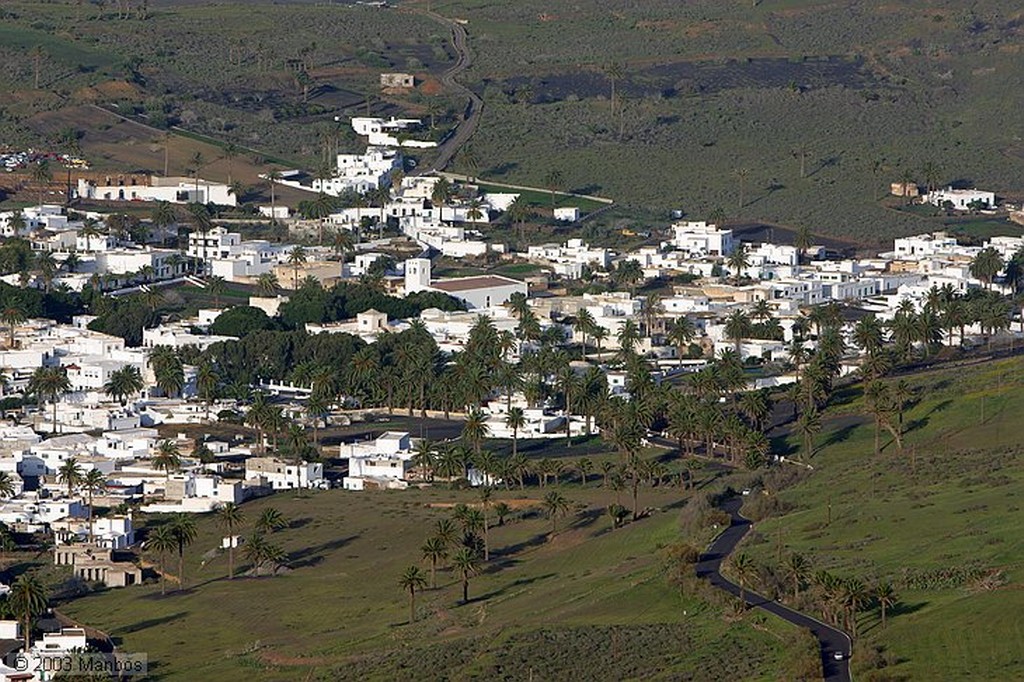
[470, 283]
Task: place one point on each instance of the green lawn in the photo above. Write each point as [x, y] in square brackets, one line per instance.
[590, 603]
[952, 500]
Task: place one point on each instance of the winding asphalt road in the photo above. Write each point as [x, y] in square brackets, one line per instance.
[709, 565]
[471, 116]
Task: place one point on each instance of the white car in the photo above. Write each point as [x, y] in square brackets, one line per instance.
[838, 655]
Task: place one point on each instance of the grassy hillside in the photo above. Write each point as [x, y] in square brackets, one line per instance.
[710, 91]
[941, 522]
[591, 603]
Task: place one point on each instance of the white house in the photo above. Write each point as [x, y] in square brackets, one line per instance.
[381, 463]
[282, 475]
[699, 238]
[176, 190]
[478, 292]
[361, 172]
[961, 199]
[390, 132]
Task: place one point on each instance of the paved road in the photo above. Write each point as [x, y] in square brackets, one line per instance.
[831, 639]
[474, 106]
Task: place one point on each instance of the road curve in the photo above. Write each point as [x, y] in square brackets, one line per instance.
[471, 117]
[709, 565]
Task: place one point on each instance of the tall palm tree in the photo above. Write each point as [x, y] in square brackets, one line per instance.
[584, 324]
[435, 550]
[796, 569]
[28, 598]
[737, 327]
[486, 493]
[12, 315]
[466, 563]
[986, 265]
[412, 580]
[42, 176]
[555, 505]
[808, 425]
[162, 541]
[296, 257]
[230, 516]
[885, 597]
[681, 335]
[183, 528]
[475, 430]
[51, 383]
[743, 566]
[93, 482]
[216, 286]
[168, 457]
[273, 177]
[70, 474]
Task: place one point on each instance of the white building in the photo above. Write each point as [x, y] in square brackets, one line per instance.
[381, 463]
[176, 190]
[482, 291]
[361, 172]
[698, 239]
[961, 199]
[282, 475]
[390, 132]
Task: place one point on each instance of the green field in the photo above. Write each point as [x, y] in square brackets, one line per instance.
[590, 603]
[951, 501]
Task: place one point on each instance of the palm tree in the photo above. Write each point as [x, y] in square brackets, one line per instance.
[743, 566]
[737, 327]
[168, 457]
[802, 238]
[267, 284]
[229, 515]
[435, 550]
[162, 541]
[584, 324]
[584, 466]
[94, 482]
[475, 430]
[502, 510]
[553, 180]
[808, 425]
[216, 286]
[42, 176]
[260, 553]
[70, 474]
[28, 598]
[412, 580]
[681, 335]
[183, 528]
[555, 505]
[466, 562]
[796, 568]
[123, 383]
[50, 382]
[7, 487]
[885, 597]
[12, 315]
[273, 177]
[485, 504]
[738, 260]
[296, 257]
[270, 519]
[986, 265]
